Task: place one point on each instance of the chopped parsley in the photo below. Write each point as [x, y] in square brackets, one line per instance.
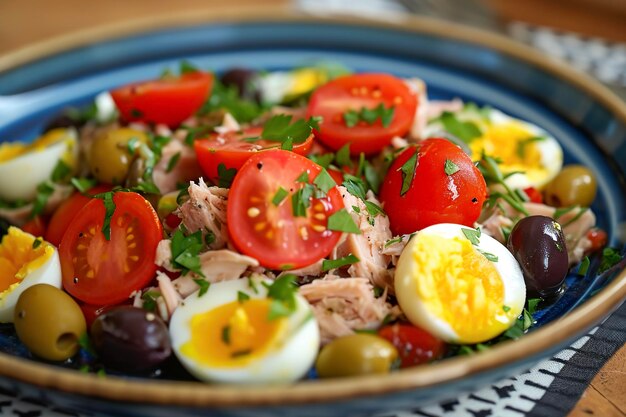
[303, 177]
[225, 176]
[209, 237]
[109, 210]
[521, 145]
[226, 335]
[37, 242]
[450, 167]
[408, 173]
[466, 131]
[185, 250]
[323, 160]
[342, 157]
[203, 284]
[610, 257]
[327, 264]
[488, 166]
[352, 117]
[44, 191]
[282, 292]
[171, 164]
[506, 309]
[280, 129]
[473, 235]
[584, 266]
[341, 221]
[324, 181]
[227, 98]
[280, 195]
[242, 296]
[61, 171]
[149, 300]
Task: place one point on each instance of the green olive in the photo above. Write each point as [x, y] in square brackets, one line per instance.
[357, 354]
[574, 185]
[49, 322]
[110, 157]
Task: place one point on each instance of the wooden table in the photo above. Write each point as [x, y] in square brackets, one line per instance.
[26, 21]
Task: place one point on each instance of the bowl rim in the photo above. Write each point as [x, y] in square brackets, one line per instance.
[195, 394]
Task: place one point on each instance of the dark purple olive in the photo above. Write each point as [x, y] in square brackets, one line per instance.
[243, 79]
[130, 339]
[538, 244]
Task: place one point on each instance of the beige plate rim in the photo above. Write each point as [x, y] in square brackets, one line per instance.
[196, 394]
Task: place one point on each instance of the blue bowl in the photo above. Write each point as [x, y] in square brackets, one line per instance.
[588, 121]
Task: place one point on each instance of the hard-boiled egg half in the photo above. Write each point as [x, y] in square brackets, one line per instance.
[519, 145]
[232, 334]
[29, 164]
[459, 284]
[24, 262]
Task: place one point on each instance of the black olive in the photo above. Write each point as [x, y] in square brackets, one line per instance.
[243, 79]
[538, 244]
[130, 339]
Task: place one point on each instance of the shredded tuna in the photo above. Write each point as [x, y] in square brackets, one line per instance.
[162, 310]
[185, 169]
[185, 285]
[19, 216]
[163, 256]
[315, 269]
[206, 211]
[436, 108]
[395, 246]
[418, 87]
[368, 245]
[229, 124]
[224, 265]
[399, 143]
[170, 295]
[342, 305]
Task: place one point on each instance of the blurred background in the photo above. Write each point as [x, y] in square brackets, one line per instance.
[588, 34]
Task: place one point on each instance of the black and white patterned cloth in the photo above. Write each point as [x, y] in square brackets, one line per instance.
[551, 388]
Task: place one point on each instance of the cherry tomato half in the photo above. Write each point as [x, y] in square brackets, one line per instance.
[415, 345]
[99, 271]
[440, 185]
[598, 239]
[232, 149]
[65, 213]
[264, 226]
[168, 100]
[353, 93]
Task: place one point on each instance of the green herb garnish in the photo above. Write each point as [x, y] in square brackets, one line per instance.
[341, 221]
[327, 264]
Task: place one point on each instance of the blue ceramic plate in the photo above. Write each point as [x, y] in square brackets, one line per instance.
[588, 121]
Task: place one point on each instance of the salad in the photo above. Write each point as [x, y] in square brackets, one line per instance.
[264, 227]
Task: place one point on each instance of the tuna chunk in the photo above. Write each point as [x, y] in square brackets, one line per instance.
[206, 211]
[343, 305]
[368, 245]
[184, 170]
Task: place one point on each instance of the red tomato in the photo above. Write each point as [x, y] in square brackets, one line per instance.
[168, 100]
[415, 345]
[352, 93]
[232, 150]
[534, 195]
[99, 271]
[432, 195]
[598, 239]
[65, 213]
[271, 233]
[36, 227]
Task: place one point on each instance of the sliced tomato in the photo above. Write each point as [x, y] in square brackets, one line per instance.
[433, 182]
[168, 100]
[99, 271]
[534, 195]
[36, 226]
[415, 345]
[265, 228]
[232, 149]
[598, 239]
[65, 213]
[352, 93]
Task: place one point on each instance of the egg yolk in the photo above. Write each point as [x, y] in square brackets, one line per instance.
[18, 258]
[460, 286]
[514, 145]
[233, 334]
[12, 150]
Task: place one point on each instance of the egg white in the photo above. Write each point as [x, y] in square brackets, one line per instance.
[290, 361]
[48, 273]
[418, 312]
[21, 175]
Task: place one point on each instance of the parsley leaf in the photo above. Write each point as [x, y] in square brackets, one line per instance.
[171, 164]
[327, 265]
[584, 266]
[466, 131]
[374, 209]
[450, 167]
[61, 171]
[282, 291]
[227, 98]
[408, 173]
[242, 296]
[323, 160]
[342, 157]
[324, 181]
[369, 115]
[342, 221]
[279, 128]
[109, 210]
[185, 250]
[472, 235]
[280, 195]
[226, 335]
[610, 257]
[203, 284]
[225, 176]
[351, 118]
[44, 191]
[83, 184]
